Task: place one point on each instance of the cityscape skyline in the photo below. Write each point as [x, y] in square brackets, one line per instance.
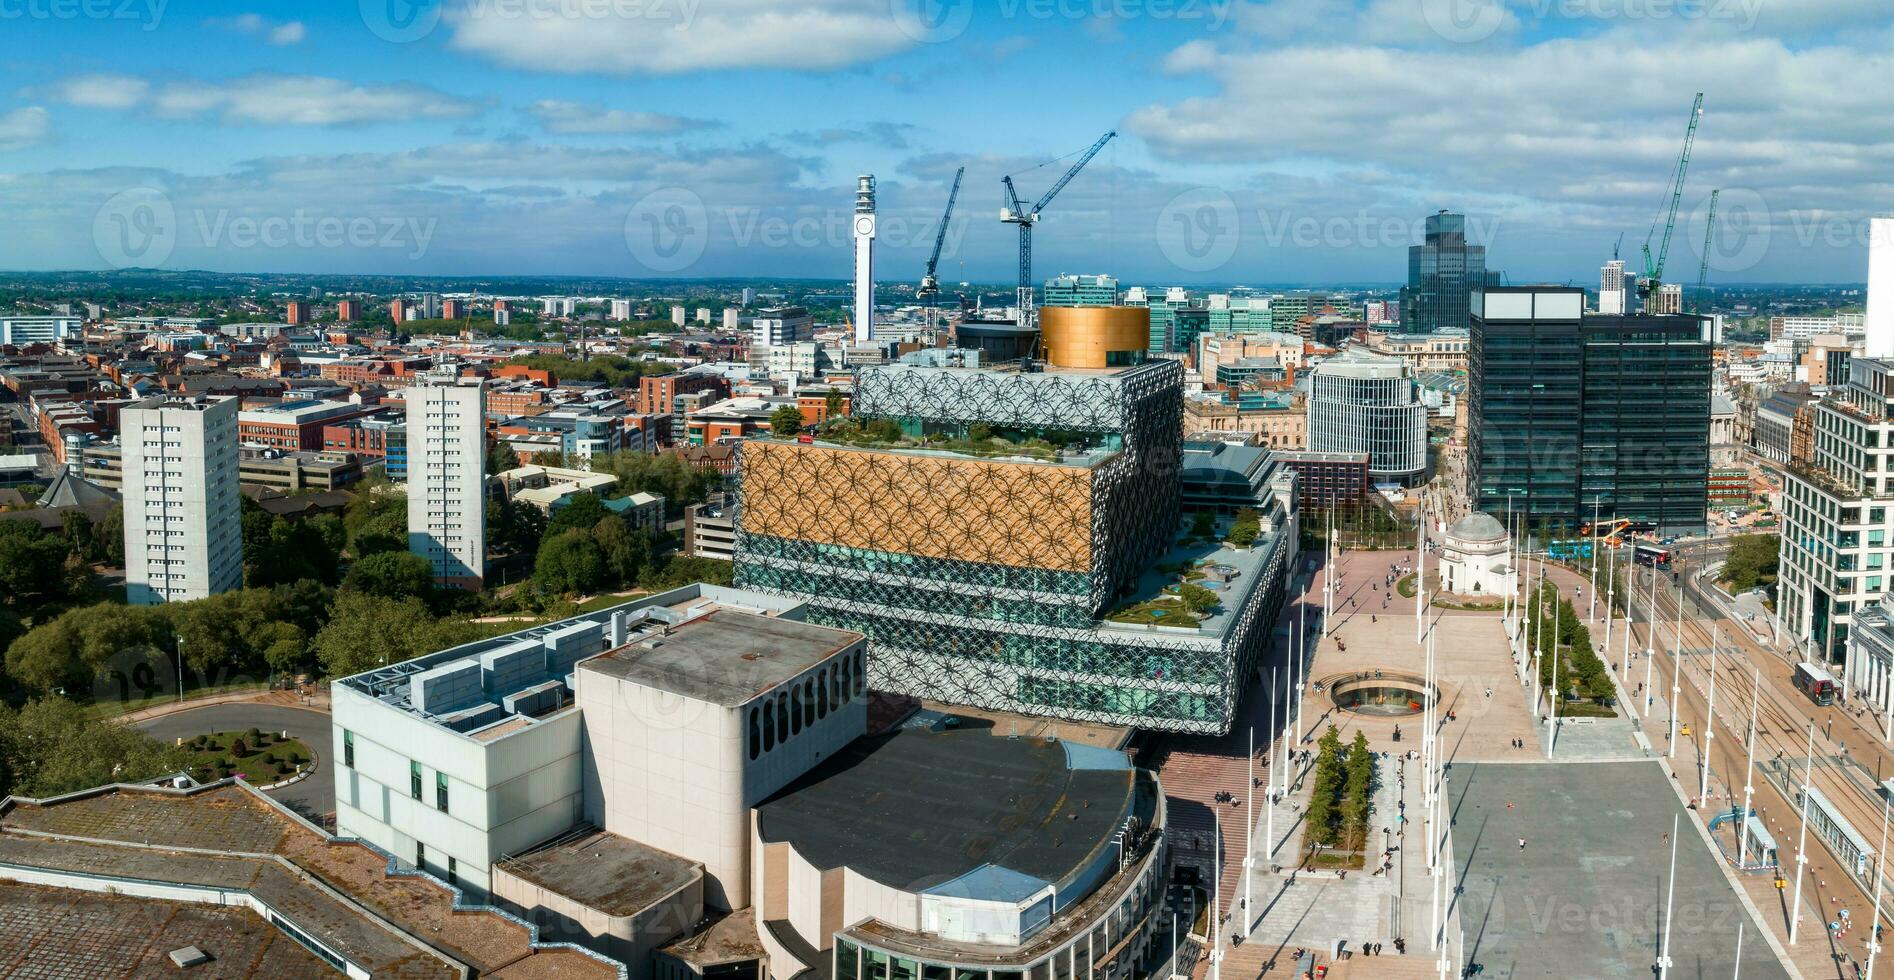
[338, 142]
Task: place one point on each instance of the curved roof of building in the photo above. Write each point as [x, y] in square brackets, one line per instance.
[917, 809]
[1476, 528]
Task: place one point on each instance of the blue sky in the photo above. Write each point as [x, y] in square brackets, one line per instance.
[1263, 142]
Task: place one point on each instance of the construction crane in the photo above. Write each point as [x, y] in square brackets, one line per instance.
[1654, 270]
[1617, 245]
[930, 286]
[1016, 213]
[1709, 238]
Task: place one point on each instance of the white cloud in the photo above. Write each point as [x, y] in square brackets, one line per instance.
[23, 127]
[290, 33]
[664, 37]
[287, 32]
[267, 98]
[561, 116]
[101, 91]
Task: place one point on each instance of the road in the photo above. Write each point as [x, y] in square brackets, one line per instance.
[311, 797]
[1784, 716]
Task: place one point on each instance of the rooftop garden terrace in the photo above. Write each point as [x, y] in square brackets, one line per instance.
[977, 439]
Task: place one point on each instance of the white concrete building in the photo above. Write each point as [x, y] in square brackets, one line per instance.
[732, 318]
[780, 325]
[1473, 557]
[621, 309]
[183, 528]
[22, 330]
[1613, 292]
[677, 315]
[447, 500]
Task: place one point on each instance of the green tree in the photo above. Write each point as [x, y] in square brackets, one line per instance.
[47, 657]
[832, 404]
[569, 563]
[1751, 562]
[1196, 598]
[785, 421]
[366, 631]
[108, 537]
[626, 553]
[1246, 529]
[50, 747]
[581, 510]
[32, 562]
[391, 575]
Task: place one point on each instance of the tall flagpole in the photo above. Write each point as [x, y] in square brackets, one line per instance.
[1709, 720]
[1552, 712]
[1216, 894]
[1749, 772]
[1296, 686]
[1670, 898]
[1249, 828]
[1880, 869]
[1802, 837]
[1737, 973]
[1591, 615]
[1676, 670]
[1538, 639]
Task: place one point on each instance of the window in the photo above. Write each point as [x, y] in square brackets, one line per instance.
[756, 740]
[453, 870]
[420, 855]
[414, 779]
[440, 791]
[348, 748]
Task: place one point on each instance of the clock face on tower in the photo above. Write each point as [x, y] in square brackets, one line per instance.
[865, 225]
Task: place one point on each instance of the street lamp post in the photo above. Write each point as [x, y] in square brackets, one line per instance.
[1749, 773]
[1591, 614]
[1670, 898]
[180, 669]
[1709, 726]
[1802, 837]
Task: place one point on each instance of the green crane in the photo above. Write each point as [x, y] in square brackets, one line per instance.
[1709, 238]
[1654, 270]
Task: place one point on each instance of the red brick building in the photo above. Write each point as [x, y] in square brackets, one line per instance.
[656, 391]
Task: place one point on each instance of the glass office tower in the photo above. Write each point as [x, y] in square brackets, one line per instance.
[1566, 408]
[1442, 275]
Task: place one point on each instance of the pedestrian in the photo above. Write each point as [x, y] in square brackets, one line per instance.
[1522, 843]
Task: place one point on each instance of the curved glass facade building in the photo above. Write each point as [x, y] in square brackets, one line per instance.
[1364, 403]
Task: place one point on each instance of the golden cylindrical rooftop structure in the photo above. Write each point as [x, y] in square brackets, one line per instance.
[1094, 336]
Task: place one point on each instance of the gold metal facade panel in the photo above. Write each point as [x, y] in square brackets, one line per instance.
[1082, 336]
[1017, 514]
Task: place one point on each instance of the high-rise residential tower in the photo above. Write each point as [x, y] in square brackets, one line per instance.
[183, 528]
[447, 505]
[1442, 275]
[1613, 288]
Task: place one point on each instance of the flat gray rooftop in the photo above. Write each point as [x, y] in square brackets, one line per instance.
[1586, 896]
[918, 808]
[724, 657]
[614, 875]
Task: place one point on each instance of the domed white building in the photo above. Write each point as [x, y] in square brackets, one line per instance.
[1474, 557]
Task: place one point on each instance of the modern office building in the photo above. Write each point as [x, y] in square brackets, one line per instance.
[1075, 290]
[19, 331]
[1669, 298]
[1837, 508]
[1005, 538]
[1442, 274]
[183, 528]
[779, 325]
[447, 499]
[625, 777]
[1367, 403]
[1566, 408]
[1809, 327]
[1162, 336]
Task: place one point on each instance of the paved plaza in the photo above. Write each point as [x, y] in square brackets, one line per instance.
[1586, 896]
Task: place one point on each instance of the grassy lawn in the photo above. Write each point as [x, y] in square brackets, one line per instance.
[606, 601]
[1585, 709]
[264, 758]
[1332, 859]
[1406, 585]
[112, 708]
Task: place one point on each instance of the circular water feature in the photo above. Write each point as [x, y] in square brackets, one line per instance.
[1386, 696]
